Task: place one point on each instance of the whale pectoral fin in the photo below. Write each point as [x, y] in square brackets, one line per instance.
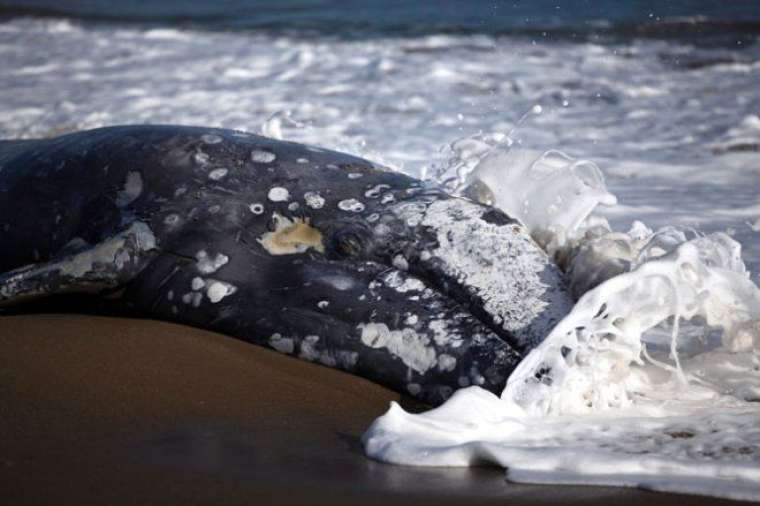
[102, 266]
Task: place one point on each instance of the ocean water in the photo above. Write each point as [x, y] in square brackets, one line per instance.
[662, 96]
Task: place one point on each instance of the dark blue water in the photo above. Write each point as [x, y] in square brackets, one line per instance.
[580, 19]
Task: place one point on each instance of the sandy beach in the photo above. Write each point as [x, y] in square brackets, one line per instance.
[98, 410]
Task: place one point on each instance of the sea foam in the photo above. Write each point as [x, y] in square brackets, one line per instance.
[621, 392]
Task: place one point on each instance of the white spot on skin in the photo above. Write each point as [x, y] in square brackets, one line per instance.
[412, 348]
[217, 174]
[172, 219]
[413, 213]
[326, 359]
[314, 200]
[302, 160]
[211, 139]
[180, 191]
[412, 319]
[375, 191]
[293, 206]
[351, 205]
[382, 229]
[446, 362]
[187, 298]
[278, 194]
[347, 359]
[170, 295]
[197, 298]
[443, 335]
[399, 262]
[308, 350]
[322, 304]
[133, 187]
[282, 344]
[403, 283]
[339, 282]
[414, 388]
[217, 290]
[256, 208]
[261, 156]
[207, 264]
[201, 158]
[354, 175]
[214, 209]
[197, 283]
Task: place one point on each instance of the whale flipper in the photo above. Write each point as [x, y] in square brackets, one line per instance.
[83, 268]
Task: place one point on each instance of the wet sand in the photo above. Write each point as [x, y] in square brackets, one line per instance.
[98, 410]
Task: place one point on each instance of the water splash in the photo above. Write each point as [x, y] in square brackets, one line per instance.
[273, 126]
[463, 155]
[619, 393]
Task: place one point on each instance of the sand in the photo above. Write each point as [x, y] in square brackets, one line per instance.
[97, 410]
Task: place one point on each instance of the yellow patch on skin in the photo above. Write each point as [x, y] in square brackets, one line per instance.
[291, 237]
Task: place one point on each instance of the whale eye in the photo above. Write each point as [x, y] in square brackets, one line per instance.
[346, 239]
[348, 244]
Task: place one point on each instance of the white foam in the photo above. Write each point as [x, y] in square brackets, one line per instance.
[619, 393]
[552, 193]
[591, 406]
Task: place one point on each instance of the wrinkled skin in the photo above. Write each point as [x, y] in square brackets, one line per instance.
[405, 285]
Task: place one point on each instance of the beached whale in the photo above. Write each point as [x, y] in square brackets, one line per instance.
[311, 252]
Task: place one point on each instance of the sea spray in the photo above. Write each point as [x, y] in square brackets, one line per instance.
[609, 397]
[552, 193]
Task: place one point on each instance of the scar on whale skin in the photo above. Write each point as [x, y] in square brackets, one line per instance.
[291, 237]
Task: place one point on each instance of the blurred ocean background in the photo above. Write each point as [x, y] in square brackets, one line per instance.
[663, 95]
